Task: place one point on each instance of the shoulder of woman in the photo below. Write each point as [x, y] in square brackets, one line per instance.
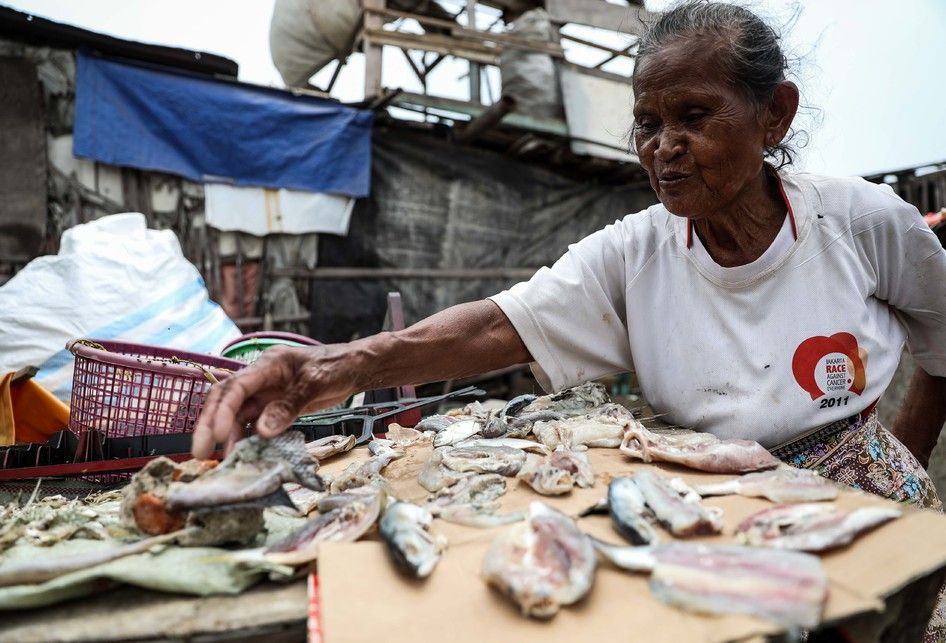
[853, 202]
[652, 219]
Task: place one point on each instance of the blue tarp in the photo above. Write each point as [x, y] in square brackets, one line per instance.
[218, 131]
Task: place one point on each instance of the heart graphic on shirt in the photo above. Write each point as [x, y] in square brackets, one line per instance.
[833, 362]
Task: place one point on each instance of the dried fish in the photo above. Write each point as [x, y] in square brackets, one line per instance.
[435, 476]
[629, 513]
[701, 451]
[50, 520]
[681, 517]
[506, 422]
[405, 530]
[344, 524]
[469, 516]
[365, 494]
[573, 401]
[505, 461]
[436, 423]
[358, 474]
[255, 469]
[473, 501]
[557, 473]
[236, 488]
[542, 564]
[788, 588]
[326, 447]
[457, 432]
[478, 491]
[304, 500]
[33, 571]
[785, 484]
[599, 508]
[516, 405]
[810, 526]
[514, 443]
[580, 432]
[404, 437]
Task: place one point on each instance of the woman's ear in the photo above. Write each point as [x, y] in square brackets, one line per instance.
[781, 112]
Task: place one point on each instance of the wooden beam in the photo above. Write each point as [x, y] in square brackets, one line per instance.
[595, 45]
[372, 50]
[404, 273]
[601, 14]
[459, 31]
[471, 50]
[523, 121]
[339, 63]
[490, 117]
[474, 68]
[421, 76]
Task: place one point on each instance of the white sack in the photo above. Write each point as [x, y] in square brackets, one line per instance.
[112, 279]
[306, 35]
[528, 76]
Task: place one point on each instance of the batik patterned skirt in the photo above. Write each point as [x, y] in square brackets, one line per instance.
[861, 453]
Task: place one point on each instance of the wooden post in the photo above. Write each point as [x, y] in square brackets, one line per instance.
[474, 67]
[372, 51]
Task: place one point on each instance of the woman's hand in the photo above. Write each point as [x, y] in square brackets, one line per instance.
[281, 385]
[284, 383]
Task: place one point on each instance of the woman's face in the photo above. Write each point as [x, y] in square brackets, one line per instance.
[699, 139]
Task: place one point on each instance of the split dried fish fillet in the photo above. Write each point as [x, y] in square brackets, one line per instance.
[359, 474]
[434, 476]
[404, 437]
[557, 473]
[473, 502]
[457, 432]
[810, 526]
[541, 564]
[480, 491]
[344, 524]
[326, 447]
[580, 432]
[577, 400]
[701, 451]
[785, 484]
[505, 461]
[514, 443]
[788, 588]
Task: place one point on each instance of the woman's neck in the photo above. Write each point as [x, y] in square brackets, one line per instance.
[741, 233]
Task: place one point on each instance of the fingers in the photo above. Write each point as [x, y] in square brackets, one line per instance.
[235, 435]
[276, 417]
[224, 402]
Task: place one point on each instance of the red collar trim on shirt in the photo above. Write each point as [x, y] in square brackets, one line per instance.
[788, 204]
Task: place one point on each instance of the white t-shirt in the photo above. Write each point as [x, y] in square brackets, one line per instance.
[809, 333]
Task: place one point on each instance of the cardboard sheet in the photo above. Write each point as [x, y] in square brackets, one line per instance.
[455, 603]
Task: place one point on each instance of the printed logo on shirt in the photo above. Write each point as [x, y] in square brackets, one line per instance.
[830, 365]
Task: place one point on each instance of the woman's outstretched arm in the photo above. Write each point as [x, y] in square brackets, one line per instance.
[284, 383]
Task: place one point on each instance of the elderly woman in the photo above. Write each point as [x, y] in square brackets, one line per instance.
[752, 303]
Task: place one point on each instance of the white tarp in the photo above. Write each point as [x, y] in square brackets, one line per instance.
[260, 211]
[598, 110]
[112, 279]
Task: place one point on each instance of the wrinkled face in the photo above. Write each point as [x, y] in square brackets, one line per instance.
[698, 137]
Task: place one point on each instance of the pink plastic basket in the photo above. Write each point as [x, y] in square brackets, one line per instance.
[125, 390]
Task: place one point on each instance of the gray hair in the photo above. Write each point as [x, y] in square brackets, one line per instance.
[751, 52]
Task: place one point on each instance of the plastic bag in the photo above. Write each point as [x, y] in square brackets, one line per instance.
[112, 279]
